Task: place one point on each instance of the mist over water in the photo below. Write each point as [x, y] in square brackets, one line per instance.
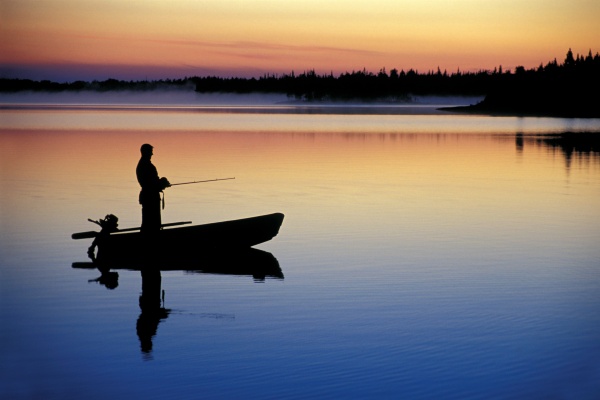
[184, 97]
[188, 97]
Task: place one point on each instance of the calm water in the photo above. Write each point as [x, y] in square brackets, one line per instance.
[424, 255]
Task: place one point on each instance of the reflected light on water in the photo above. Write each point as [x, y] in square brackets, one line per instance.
[418, 257]
[366, 175]
[282, 119]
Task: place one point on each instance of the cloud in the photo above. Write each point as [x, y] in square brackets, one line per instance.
[264, 47]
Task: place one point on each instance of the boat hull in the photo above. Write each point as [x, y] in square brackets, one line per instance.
[175, 242]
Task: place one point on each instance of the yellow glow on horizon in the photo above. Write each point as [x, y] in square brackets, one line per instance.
[357, 170]
[277, 35]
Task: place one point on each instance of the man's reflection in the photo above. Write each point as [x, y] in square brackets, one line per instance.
[152, 307]
[250, 262]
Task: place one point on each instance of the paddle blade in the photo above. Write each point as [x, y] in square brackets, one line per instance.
[84, 235]
[93, 234]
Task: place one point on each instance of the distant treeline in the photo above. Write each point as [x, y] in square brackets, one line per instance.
[570, 89]
[310, 86]
[575, 76]
[19, 85]
[577, 73]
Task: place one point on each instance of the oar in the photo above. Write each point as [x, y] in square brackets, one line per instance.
[93, 234]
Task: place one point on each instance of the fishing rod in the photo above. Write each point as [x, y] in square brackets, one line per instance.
[190, 183]
[208, 180]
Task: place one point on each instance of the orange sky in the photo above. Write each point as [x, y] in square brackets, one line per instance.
[97, 39]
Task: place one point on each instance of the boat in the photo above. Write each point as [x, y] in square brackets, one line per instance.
[131, 245]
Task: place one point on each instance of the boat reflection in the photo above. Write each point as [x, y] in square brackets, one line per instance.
[251, 262]
[107, 278]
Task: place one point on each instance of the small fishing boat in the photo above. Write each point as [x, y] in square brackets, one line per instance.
[130, 244]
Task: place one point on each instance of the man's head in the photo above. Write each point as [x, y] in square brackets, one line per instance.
[146, 150]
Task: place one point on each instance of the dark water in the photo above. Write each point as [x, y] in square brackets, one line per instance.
[422, 256]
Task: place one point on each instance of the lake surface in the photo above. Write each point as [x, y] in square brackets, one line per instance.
[423, 254]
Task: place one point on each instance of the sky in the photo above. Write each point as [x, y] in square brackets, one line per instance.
[68, 40]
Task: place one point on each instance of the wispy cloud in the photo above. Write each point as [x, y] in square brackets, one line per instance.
[264, 47]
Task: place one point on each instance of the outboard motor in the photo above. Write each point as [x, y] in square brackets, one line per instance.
[109, 224]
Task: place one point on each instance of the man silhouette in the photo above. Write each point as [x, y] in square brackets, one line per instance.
[152, 186]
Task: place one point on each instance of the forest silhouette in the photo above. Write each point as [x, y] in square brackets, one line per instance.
[569, 89]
